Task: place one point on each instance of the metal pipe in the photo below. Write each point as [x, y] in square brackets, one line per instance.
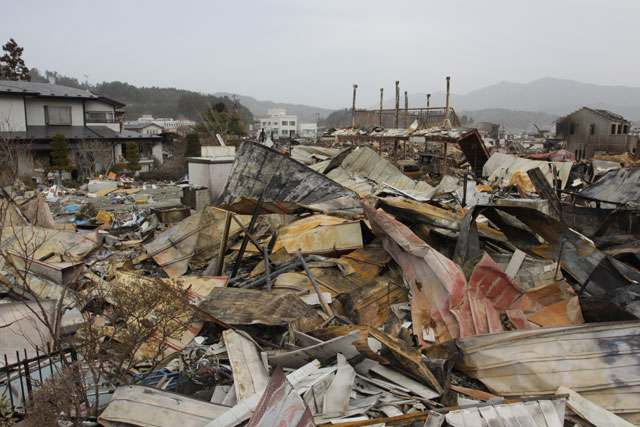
[265, 252]
[396, 119]
[406, 109]
[223, 244]
[245, 240]
[288, 266]
[446, 113]
[324, 304]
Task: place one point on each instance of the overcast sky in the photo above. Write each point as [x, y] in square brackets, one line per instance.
[311, 52]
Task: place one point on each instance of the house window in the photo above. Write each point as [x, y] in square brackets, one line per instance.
[592, 129]
[619, 129]
[292, 123]
[284, 123]
[284, 132]
[57, 115]
[99, 117]
[572, 128]
[625, 129]
[613, 129]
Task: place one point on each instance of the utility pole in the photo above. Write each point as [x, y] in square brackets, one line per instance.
[353, 108]
[428, 97]
[317, 124]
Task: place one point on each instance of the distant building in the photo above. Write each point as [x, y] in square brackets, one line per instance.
[308, 130]
[145, 128]
[276, 122]
[31, 113]
[167, 124]
[589, 131]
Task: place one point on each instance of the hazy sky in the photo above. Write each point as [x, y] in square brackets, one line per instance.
[311, 52]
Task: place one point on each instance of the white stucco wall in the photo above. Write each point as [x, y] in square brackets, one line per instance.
[98, 106]
[156, 151]
[12, 118]
[35, 110]
[212, 175]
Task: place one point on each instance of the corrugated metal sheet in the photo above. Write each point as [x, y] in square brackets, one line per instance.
[21, 326]
[281, 405]
[501, 168]
[534, 413]
[291, 185]
[150, 407]
[579, 257]
[442, 298]
[319, 234]
[366, 163]
[601, 361]
[620, 186]
[173, 249]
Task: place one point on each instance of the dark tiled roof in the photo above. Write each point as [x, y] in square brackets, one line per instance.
[48, 89]
[76, 132]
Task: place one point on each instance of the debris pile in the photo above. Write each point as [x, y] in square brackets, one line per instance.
[327, 288]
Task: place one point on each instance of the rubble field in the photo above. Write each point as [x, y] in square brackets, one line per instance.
[325, 287]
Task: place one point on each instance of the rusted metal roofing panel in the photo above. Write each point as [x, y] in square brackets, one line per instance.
[501, 168]
[40, 242]
[424, 213]
[290, 185]
[577, 254]
[601, 361]
[618, 186]
[62, 273]
[320, 234]
[281, 405]
[366, 163]
[149, 407]
[173, 249]
[442, 298]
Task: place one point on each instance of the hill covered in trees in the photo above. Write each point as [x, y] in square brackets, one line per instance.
[159, 102]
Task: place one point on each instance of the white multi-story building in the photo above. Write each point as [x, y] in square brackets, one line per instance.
[277, 123]
[166, 123]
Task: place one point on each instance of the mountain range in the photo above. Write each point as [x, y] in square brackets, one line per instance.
[305, 113]
[516, 105]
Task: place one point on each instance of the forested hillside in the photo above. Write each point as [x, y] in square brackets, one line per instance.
[159, 102]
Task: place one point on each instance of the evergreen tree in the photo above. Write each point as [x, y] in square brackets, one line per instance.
[12, 65]
[59, 153]
[132, 155]
[193, 145]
